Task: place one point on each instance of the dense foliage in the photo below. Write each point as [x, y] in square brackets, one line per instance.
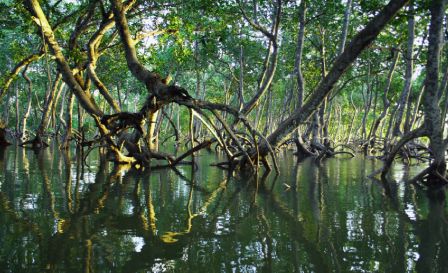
[273, 61]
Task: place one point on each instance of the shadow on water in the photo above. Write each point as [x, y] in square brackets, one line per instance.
[58, 215]
[431, 254]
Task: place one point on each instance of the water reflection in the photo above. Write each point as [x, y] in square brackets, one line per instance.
[58, 214]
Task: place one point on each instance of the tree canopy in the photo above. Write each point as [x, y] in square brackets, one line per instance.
[248, 77]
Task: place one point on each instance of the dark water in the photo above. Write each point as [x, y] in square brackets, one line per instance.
[57, 215]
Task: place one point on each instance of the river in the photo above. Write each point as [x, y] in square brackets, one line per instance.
[58, 214]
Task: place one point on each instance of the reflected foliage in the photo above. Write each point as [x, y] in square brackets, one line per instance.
[58, 215]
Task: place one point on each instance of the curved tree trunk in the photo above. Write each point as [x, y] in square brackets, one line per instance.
[74, 80]
[270, 62]
[93, 55]
[69, 78]
[16, 70]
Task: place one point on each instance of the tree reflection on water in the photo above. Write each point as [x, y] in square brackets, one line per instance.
[58, 214]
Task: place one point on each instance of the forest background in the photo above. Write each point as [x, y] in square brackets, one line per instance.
[247, 78]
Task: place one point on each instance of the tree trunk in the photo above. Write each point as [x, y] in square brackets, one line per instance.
[433, 119]
[241, 80]
[299, 51]
[55, 107]
[61, 113]
[28, 108]
[270, 62]
[323, 126]
[120, 100]
[16, 70]
[196, 123]
[404, 98]
[297, 72]
[260, 112]
[5, 113]
[386, 103]
[268, 122]
[315, 125]
[151, 134]
[345, 25]
[352, 124]
[367, 105]
[69, 78]
[3, 140]
[388, 136]
[48, 107]
[352, 51]
[80, 123]
[411, 117]
[16, 88]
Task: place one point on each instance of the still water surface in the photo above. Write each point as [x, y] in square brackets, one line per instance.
[57, 215]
